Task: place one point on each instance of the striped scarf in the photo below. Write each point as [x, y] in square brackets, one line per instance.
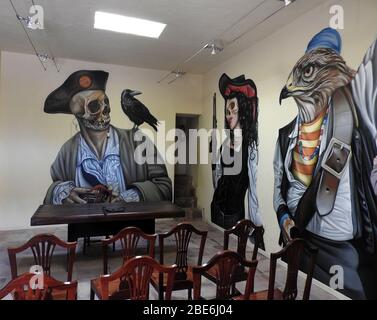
[302, 167]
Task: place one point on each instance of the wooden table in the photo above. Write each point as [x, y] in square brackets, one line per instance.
[86, 220]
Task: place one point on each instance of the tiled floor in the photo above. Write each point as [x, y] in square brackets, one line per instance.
[89, 266]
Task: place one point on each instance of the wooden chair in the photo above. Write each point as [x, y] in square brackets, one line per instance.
[129, 239]
[43, 246]
[242, 231]
[22, 288]
[136, 273]
[183, 278]
[225, 266]
[292, 254]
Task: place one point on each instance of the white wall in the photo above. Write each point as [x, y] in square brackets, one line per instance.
[269, 63]
[30, 139]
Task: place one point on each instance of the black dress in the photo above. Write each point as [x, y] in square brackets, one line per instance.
[228, 203]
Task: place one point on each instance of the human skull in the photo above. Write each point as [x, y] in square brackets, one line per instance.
[92, 109]
[231, 114]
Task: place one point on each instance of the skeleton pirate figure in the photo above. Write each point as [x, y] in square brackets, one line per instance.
[98, 163]
[323, 162]
[236, 168]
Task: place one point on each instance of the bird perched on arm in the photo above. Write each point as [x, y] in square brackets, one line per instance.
[136, 111]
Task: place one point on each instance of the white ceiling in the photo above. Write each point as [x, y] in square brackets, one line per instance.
[190, 25]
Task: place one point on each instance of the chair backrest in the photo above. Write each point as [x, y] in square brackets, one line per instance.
[137, 273]
[129, 238]
[226, 265]
[30, 286]
[293, 254]
[182, 233]
[43, 247]
[242, 230]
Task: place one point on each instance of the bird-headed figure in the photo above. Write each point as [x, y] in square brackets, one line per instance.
[314, 79]
[323, 162]
[312, 83]
[135, 110]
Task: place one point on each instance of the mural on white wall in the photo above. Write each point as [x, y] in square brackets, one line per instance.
[324, 164]
[239, 152]
[98, 164]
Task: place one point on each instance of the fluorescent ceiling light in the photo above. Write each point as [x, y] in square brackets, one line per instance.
[123, 24]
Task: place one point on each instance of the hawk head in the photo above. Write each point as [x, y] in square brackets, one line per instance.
[313, 81]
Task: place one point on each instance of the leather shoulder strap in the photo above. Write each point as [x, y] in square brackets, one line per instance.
[338, 152]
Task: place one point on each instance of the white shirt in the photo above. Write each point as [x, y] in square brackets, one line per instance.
[338, 224]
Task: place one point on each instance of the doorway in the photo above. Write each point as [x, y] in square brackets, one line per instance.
[186, 174]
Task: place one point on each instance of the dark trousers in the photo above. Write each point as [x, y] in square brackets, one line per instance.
[360, 268]
[225, 221]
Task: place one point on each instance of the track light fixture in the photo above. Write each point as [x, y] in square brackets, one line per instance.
[287, 2]
[44, 57]
[217, 45]
[214, 48]
[35, 21]
[177, 74]
[25, 20]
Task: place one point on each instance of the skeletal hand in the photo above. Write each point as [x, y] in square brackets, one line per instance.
[74, 196]
[116, 199]
[288, 224]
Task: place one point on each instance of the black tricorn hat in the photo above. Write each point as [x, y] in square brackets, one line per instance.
[239, 84]
[83, 80]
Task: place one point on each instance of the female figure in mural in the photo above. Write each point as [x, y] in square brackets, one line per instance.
[237, 164]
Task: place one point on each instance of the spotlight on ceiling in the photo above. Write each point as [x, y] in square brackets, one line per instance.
[215, 49]
[44, 57]
[287, 2]
[28, 22]
[178, 73]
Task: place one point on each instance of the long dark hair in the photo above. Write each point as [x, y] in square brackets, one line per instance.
[248, 118]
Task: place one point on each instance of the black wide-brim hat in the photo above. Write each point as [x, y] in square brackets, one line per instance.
[83, 80]
[240, 84]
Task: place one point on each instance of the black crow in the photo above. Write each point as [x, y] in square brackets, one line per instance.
[136, 111]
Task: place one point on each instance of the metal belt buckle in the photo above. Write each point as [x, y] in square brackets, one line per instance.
[336, 144]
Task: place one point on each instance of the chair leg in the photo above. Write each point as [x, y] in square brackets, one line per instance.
[67, 262]
[189, 294]
[91, 294]
[108, 237]
[235, 291]
[160, 294]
